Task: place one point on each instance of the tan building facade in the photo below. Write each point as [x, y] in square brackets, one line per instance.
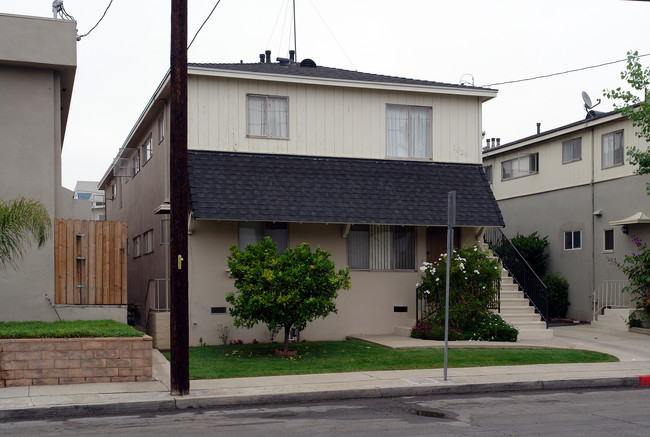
[304, 154]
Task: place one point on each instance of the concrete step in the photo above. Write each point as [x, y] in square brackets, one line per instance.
[535, 334]
[614, 318]
[519, 318]
[514, 302]
[509, 287]
[513, 294]
[527, 309]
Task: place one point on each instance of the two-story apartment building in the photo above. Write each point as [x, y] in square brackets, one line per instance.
[358, 164]
[574, 185]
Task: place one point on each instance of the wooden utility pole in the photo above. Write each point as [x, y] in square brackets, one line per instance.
[180, 364]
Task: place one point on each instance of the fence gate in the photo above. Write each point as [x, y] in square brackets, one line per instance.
[90, 262]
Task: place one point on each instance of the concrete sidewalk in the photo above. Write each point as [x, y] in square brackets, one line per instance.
[633, 350]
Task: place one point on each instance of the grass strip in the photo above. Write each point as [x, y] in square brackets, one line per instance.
[67, 329]
[248, 360]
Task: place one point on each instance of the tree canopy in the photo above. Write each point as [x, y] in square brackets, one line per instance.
[283, 290]
[636, 108]
[22, 221]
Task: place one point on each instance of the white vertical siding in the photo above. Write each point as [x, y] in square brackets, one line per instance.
[326, 120]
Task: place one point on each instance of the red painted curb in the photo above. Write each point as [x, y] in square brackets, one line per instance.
[644, 380]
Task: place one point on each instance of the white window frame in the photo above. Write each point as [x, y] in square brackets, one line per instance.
[147, 149]
[137, 248]
[410, 153]
[136, 162]
[618, 158]
[574, 143]
[489, 174]
[515, 165]
[161, 128]
[377, 240]
[265, 117]
[573, 240]
[147, 242]
[612, 249]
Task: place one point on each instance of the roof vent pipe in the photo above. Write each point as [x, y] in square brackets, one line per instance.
[487, 143]
[493, 142]
[292, 56]
[268, 56]
[539, 127]
[498, 142]
[262, 58]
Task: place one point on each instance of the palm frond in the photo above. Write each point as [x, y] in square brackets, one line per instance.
[22, 221]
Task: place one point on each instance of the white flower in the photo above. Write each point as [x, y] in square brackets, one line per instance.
[422, 268]
[437, 279]
[477, 272]
[462, 266]
[433, 270]
[417, 285]
[495, 268]
[427, 292]
[475, 248]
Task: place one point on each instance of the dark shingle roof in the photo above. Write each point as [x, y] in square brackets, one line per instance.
[327, 73]
[288, 188]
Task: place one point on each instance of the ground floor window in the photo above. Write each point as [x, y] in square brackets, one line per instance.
[381, 247]
[253, 232]
[573, 240]
[608, 240]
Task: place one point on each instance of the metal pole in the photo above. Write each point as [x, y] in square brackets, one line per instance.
[179, 330]
[451, 220]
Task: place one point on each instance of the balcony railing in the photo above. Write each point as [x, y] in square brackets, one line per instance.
[609, 294]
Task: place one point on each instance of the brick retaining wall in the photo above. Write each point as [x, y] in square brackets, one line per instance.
[49, 361]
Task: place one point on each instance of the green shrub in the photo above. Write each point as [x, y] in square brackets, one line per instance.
[474, 281]
[429, 329]
[283, 290]
[533, 248]
[558, 294]
[492, 328]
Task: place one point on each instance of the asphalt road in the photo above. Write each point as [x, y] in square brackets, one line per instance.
[622, 412]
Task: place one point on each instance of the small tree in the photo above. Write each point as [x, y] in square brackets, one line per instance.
[21, 222]
[283, 290]
[533, 248]
[558, 294]
[635, 108]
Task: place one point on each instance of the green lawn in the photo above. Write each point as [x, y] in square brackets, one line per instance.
[64, 329]
[246, 360]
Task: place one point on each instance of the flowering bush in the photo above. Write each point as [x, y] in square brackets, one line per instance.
[637, 269]
[493, 328]
[428, 329]
[473, 285]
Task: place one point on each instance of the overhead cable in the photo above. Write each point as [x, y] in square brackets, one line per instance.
[97, 24]
[560, 73]
[205, 21]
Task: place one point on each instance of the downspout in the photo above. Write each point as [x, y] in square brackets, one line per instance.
[593, 217]
[346, 230]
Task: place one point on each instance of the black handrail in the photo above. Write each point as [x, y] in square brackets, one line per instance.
[523, 275]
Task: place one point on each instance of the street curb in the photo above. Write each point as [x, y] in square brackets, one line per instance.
[192, 402]
[207, 401]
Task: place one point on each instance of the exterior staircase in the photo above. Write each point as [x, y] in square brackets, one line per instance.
[516, 309]
[614, 318]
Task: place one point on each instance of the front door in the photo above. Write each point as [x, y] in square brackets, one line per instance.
[437, 242]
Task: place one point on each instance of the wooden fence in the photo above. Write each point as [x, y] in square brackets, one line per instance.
[90, 262]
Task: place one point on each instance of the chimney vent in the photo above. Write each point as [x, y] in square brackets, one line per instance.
[292, 56]
[498, 142]
[539, 127]
[262, 58]
[268, 56]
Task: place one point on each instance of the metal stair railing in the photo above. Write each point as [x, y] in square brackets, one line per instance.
[609, 294]
[523, 275]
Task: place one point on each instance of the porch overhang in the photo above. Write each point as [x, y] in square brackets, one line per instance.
[635, 219]
[313, 189]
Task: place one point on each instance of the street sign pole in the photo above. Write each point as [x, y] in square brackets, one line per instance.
[451, 221]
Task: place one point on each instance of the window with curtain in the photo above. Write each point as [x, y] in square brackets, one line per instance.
[613, 152]
[381, 247]
[267, 116]
[572, 150]
[524, 165]
[408, 131]
[253, 232]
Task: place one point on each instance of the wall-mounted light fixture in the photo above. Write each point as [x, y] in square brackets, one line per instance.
[624, 229]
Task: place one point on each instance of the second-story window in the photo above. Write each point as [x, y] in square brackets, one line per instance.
[612, 149]
[136, 162]
[523, 165]
[572, 150]
[268, 116]
[147, 148]
[408, 131]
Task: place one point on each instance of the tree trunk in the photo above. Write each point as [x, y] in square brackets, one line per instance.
[287, 330]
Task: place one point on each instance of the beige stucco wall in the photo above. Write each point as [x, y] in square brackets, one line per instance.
[37, 56]
[368, 307]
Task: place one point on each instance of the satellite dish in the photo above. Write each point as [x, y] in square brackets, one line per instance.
[587, 100]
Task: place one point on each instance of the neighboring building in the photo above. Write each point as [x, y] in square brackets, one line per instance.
[89, 190]
[574, 185]
[358, 164]
[37, 69]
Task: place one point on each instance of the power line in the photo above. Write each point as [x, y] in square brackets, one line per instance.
[97, 24]
[560, 73]
[205, 21]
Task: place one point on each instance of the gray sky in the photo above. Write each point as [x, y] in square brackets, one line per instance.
[120, 64]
